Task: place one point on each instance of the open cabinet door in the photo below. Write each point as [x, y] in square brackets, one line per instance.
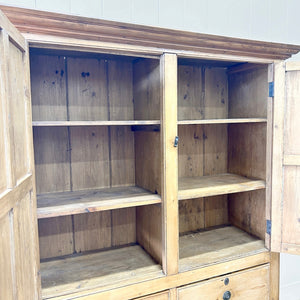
[285, 236]
[19, 265]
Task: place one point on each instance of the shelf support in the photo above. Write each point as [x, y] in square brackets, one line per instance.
[169, 163]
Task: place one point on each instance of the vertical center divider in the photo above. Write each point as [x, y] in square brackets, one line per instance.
[169, 163]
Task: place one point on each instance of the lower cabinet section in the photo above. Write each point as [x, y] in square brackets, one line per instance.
[250, 284]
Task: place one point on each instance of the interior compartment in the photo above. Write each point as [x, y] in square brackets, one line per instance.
[97, 162]
[222, 129]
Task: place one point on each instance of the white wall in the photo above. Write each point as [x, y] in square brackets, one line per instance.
[267, 20]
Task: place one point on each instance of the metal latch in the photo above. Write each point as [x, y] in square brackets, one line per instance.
[269, 227]
[271, 89]
[176, 141]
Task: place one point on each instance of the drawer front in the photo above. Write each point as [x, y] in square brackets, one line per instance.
[250, 284]
[158, 296]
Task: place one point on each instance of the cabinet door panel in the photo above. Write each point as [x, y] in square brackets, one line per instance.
[18, 223]
[286, 160]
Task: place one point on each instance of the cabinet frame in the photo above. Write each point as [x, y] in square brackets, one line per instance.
[168, 52]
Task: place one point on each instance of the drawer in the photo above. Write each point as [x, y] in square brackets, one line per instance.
[250, 284]
[158, 296]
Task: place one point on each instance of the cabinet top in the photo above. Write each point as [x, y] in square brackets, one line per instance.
[60, 25]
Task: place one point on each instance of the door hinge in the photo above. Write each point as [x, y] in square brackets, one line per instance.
[269, 226]
[271, 89]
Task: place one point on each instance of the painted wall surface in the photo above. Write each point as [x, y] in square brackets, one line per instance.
[267, 20]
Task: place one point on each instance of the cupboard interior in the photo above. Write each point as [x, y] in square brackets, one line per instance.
[98, 183]
[222, 129]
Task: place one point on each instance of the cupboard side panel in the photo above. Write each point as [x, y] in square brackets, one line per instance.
[148, 161]
[146, 92]
[247, 211]
[248, 93]
[247, 150]
[149, 230]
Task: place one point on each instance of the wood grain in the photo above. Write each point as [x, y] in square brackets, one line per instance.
[32, 21]
[146, 89]
[248, 92]
[89, 164]
[82, 272]
[253, 283]
[52, 160]
[92, 231]
[87, 89]
[215, 246]
[70, 203]
[169, 163]
[195, 187]
[56, 237]
[48, 86]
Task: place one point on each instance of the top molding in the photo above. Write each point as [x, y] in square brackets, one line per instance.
[46, 23]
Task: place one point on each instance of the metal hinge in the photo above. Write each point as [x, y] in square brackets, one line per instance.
[271, 89]
[269, 226]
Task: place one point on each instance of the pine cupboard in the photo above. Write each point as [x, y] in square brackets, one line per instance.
[144, 163]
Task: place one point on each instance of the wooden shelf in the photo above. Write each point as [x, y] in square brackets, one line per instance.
[195, 187]
[222, 121]
[201, 249]
[70, 203]
[116, 267]
[93, 123]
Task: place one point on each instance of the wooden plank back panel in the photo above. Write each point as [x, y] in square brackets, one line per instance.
[122, 156]
[191, 215]
[120, 94]
[48, 86]
[215, 93]
[52, 159]
[89, 157]
[146, 92]
[56, 237]
[92, 231]
[190, 151]
[248, 92]
[19, 252]
[190, 92]
[87, 89]
[203, 151]
[123, 226]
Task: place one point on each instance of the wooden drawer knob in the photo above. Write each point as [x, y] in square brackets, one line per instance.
[227, 295]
